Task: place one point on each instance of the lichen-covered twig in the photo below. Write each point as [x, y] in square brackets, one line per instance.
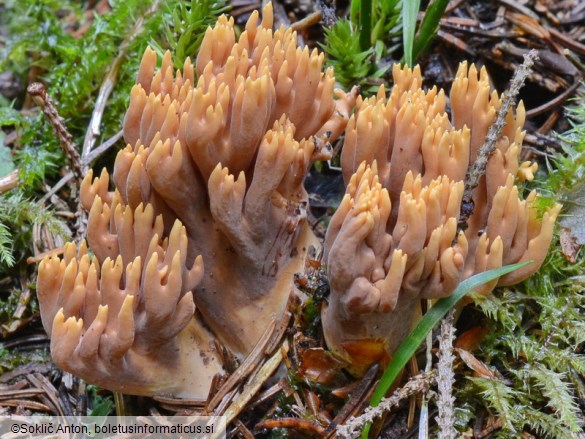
[445, 380]
[416, 385]
[423, 425]
[477, 169]
[41, 98]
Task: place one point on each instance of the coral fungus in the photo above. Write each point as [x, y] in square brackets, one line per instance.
[216, 157]
[400, 213]
[201, 237]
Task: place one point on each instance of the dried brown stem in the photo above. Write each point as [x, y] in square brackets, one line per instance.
[478, 168]
[416, 385]
[9, 181]
[107, 86]
[446, 379]
[97, 152]
[41, 98]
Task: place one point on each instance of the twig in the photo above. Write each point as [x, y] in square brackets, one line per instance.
[308, 21]
[94, 154]
[106, 88]
[40, 381]
[41, 98]
[251, 388]
[445, 380]
[25, 404]
[496, 425]
[293, 423]
[417, 384]
[423, 425]
[557, 101]
[64, 180]
[242, 431]
[245, 369]
[477, 169]
[357, 397]
[109, 83]
[520, 8]
[9, 181]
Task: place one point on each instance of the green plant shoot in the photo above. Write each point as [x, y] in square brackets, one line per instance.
[409, 346]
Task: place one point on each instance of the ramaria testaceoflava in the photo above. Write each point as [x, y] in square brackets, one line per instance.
[206, 226]
[394, 239]
[209, 205]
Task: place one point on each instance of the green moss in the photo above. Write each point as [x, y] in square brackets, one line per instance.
[13, 358]
[353, 66]
[537, 328]
[44, 44]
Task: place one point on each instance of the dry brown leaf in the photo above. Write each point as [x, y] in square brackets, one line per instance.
[569, 245]
[320, 366]
[472, 338]
[479, 367]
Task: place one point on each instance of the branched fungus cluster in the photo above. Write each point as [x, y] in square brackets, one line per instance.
[201, 237]
[404, 162]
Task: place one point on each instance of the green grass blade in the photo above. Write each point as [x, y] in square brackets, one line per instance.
[354, 13]
[429, 27]
[409, 13]
[366, 24]
[409, 346]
